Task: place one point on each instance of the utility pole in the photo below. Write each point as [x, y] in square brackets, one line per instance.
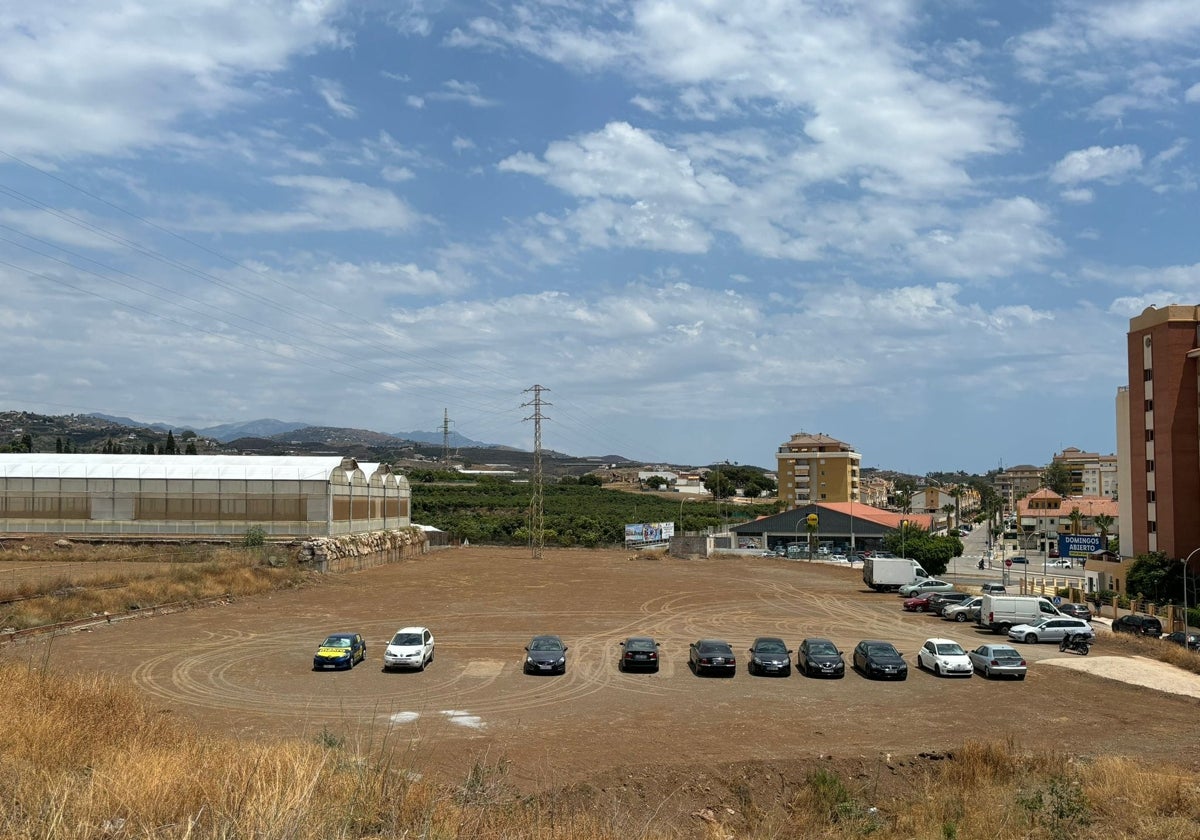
[537, 519]
[445, 437]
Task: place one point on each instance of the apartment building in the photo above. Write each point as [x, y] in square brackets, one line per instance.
[817, 468]
[1017, 482]
[1092, 474]
[1158, 442]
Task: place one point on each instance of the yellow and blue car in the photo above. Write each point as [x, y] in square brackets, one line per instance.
[340, 650]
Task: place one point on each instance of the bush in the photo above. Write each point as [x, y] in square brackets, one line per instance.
[255, 536]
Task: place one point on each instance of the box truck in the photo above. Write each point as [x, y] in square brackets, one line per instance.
[1000, 612]
[887, 574]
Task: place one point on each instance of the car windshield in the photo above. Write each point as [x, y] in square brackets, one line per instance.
[822, 649]
[770, 646]
[639, 644]
[545, 644]
[882, 650]
[714, 647]
[337, 642]
[1005, 653]
[406, 639]
[949, 649]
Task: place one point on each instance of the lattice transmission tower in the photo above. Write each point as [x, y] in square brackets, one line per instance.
[537, 518]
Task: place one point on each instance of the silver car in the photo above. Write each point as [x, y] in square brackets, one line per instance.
[998, 661]
[1051, 629]
[963, 611]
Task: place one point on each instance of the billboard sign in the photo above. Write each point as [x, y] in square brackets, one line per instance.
[1078, 545]
[649, 532]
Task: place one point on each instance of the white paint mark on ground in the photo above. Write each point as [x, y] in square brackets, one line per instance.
[462, 718]
[404, 717]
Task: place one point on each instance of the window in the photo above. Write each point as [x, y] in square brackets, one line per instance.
[1148, 374]
[1149, 435]
[1149, 405]
[1150, 496]
[1149, 465]
[1151, 527]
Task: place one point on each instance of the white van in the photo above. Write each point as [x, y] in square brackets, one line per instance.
[1000, 612]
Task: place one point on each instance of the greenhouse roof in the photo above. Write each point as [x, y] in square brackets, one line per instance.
[232, 467]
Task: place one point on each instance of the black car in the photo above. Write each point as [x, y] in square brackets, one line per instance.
[1142, 625]
[638, 652]
[769, 655]
[712, 656]
[879, 660]
[1189, 640]
[340, 650]
[820, 658]
[940, 600]
[545, 655]
[1075, 611]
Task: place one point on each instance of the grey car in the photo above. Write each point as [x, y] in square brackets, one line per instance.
[769, 655]
[820, 658]
[963, 611]
[998, 661]
[545, 655]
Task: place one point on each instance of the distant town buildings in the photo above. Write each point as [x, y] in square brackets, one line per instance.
[1091, 474]
[817, 468]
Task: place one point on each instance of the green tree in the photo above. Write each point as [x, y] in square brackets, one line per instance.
[170, 448]
[58, 445]
[1154, 575]
[932, 551]
[902, 492]
[1057, 477]
[948, 509]
[190, 449]
[656, 482]
[591, 480]
[719, 483]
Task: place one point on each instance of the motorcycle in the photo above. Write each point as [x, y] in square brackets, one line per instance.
[1075, 642]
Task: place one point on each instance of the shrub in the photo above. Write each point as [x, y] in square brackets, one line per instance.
[255, 536]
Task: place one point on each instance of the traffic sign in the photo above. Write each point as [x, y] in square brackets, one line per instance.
[1057, 600]
[1008, 561]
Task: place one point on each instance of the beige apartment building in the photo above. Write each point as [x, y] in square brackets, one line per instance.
[817, 468]
[1092, 474]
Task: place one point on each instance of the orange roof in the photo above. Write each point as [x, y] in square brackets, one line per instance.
[886, 518]
[1089, 506]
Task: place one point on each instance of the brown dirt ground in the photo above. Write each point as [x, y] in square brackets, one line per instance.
[671, 743]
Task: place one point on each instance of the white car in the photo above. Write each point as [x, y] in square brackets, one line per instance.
[839, 558]
[945, 657]
[1060, 564]
[920, 587]
[1051, 629]
[410, 647]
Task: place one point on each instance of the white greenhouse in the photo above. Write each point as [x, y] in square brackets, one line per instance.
[198, 495]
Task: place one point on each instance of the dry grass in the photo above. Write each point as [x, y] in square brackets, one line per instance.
[1151, 648]
[91, 759]
[194, 574]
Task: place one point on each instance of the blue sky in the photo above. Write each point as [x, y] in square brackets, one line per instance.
[920, 227]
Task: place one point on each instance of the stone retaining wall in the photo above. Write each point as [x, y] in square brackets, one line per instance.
[354, 552]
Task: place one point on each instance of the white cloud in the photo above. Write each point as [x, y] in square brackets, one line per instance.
[414, 101]
[456, 91]
[1097, 163]
[989, 241]
[1192, 94]
[461, 144]
[334, 96]
[323, 204]
[1078, 195]
[79, 78]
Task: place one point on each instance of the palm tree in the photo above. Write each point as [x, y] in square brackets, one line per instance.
[1103, 521]
[948, 509]
[1076, 517]
[956, 493]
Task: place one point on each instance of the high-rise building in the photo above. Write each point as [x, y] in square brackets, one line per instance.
[1092, 474]
[1158, 442]
[817, 468]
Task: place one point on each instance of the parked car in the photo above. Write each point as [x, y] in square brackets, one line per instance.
[638, 652]
[918, 587]
[340, 650]
[1075, 610]
[1142, 625]
[918, 603]
[712, 656]
[839, 558]
[1189, 640]
[820, 658]
[1050, 629]
[993, 589]
[1019, 560]
[879, 660]
[963, 611]
[545, 655]
[998, 661]
[938, 601]
[1063, 563]
[945, 657]
[769, 655]
[410, 647]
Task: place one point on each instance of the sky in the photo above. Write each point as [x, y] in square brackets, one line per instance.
[702, 226]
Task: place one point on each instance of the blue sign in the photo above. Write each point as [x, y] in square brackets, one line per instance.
[1057, 600]
[1078, 545]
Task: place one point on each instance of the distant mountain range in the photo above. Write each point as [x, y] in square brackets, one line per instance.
[278, 429]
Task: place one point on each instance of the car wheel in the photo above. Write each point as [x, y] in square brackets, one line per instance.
[1003, 629]
[421, 667]
[1031, 638]
[937, 670]
[960, 617]
[1021, 677]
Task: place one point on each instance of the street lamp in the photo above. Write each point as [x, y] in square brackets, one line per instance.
[1185, 607]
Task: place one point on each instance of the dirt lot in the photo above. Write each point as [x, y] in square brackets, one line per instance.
[246, 668]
